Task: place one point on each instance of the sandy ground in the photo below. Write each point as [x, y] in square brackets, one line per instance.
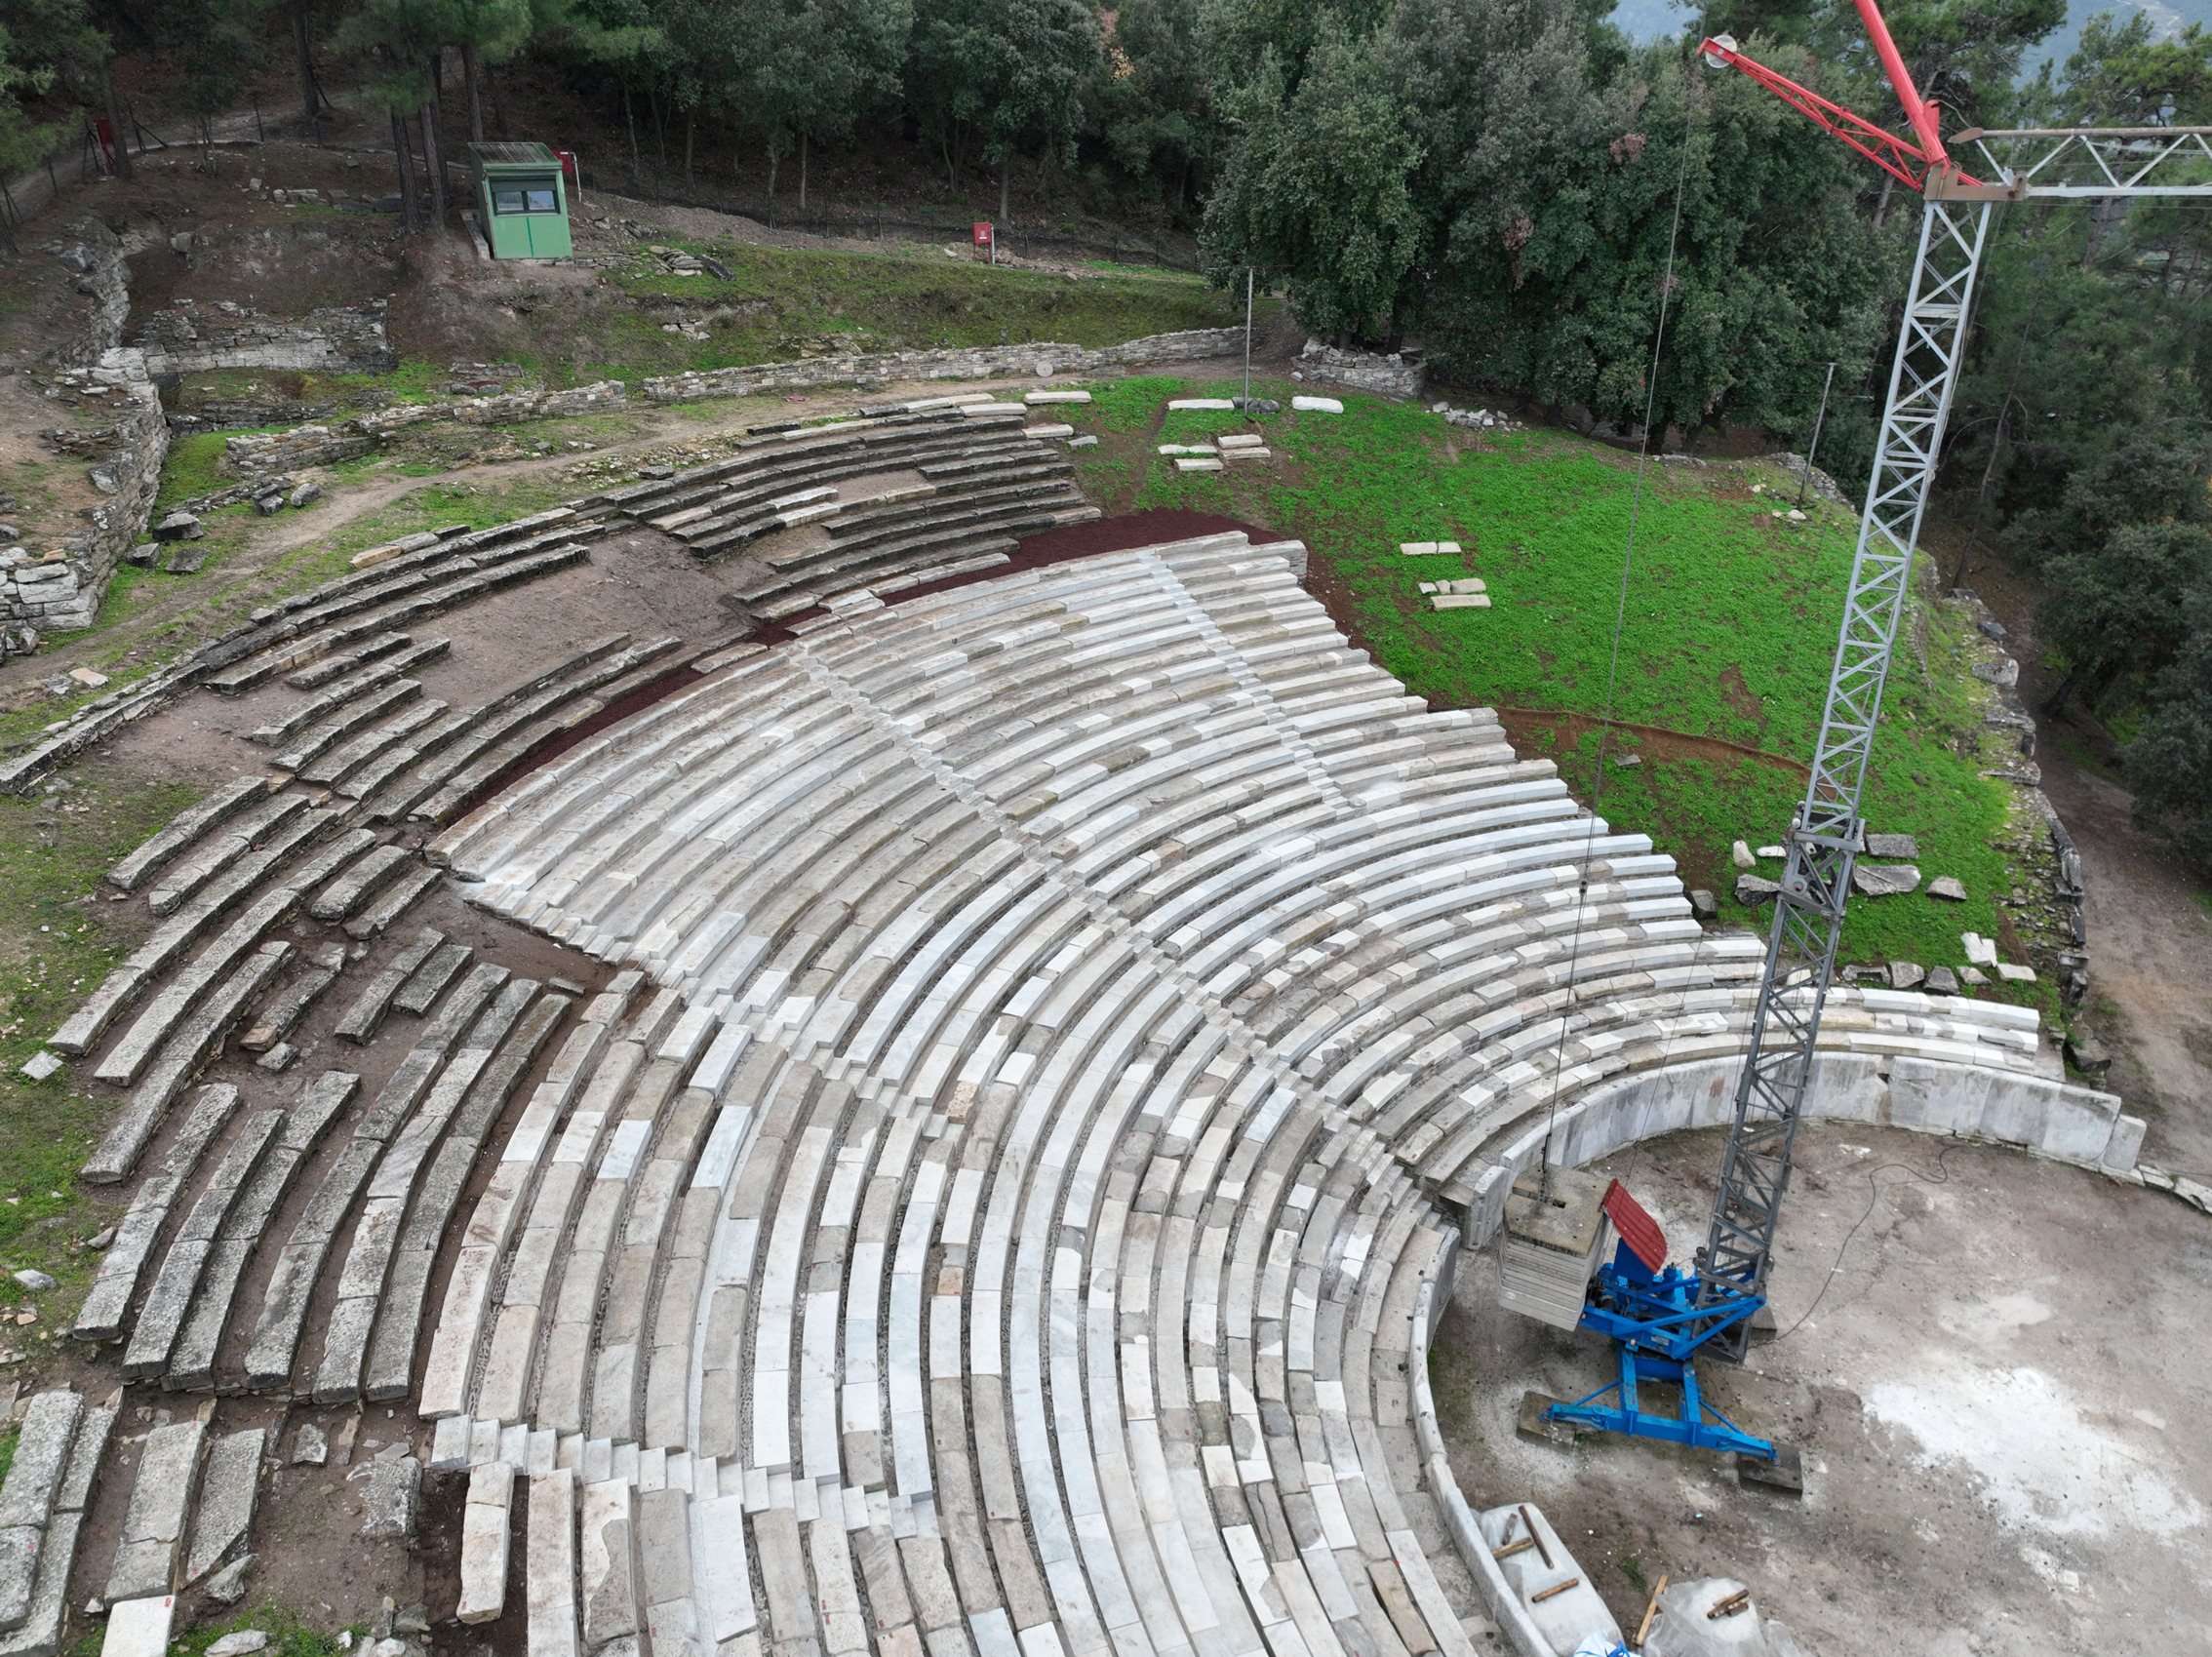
[1991, 1398]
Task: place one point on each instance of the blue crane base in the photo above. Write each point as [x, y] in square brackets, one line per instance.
[1656, 1325]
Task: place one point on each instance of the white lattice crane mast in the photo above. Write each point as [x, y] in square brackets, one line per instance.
[1660, 1317]
[2076, 162]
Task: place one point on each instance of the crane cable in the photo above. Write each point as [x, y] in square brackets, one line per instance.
[1614, 666]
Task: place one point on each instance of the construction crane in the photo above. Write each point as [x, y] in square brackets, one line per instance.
[1661, 1318]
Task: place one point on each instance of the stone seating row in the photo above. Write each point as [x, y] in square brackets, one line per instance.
[793, 460]
[1072, 963]
[358, 611]
[43, 1503]
[784, 1193]
[939, 538]
[764, 1383]
[802, 480]
[241, 866]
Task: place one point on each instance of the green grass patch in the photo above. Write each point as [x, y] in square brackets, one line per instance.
[56, 945]
[288, 1634]
[1728, 630]
[790, 304]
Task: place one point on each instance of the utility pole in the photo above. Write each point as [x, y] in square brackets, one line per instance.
[1813, 448]
[1248, 335]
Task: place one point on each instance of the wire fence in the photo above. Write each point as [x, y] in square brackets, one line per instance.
[82, 154]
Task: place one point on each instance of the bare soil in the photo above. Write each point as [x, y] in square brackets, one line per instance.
[1985, 1363]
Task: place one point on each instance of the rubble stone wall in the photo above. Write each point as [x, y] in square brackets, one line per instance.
[1393, 375]
[191, 339]
[990, 361]
[40, 592]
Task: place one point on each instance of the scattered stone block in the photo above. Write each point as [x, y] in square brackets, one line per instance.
[1884, 880]
[1460, 600]
[1704, 905]
[1083, 443]
[138, 1627]
[239, 1644]
[310, 1446]
[178, 526]
[1942, 981]
[484, 1543]
[1906, 976]
[1751, 890]
[1049, 432]
[1947, 886]
[2086, 1054]
[1201, 403]
[1980, 951]
[1903, 845]
[1776, 852]
[226, 1512]
[33, 1279]
[153, 1529]
[228, 1585]
[1741, 855]
[2012, 974]
[41, 1064]
[1187, 465]
[1971, 977]
[1037, 397]
[388, 1503]
[369, 557]
[1318, 405]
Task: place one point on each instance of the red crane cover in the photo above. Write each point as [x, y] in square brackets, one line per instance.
[1638, 1229]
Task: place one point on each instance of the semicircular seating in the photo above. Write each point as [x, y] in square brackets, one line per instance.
[1088, 999]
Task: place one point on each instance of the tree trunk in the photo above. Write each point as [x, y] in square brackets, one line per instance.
[1881, 207]
[475, 97]
[629, 116]
[690, 130]
[499, 104]
[802, 172]
[1006, 166]
[406, 155]
[771, 159]
[121, 142]
[434, 163]
[310, 100]
[660, 126]
[944, 146]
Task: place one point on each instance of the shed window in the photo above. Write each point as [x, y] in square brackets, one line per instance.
[524, 195]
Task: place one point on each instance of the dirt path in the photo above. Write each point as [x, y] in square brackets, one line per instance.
[2150, 923]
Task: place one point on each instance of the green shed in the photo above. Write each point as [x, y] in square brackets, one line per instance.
[521, 200]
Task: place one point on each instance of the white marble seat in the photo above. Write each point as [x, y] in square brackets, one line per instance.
[1089, 998]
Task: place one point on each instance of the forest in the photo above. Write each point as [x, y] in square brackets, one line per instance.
[1495, 181]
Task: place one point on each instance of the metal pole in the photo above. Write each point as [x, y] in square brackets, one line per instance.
[1824, 840]
[1247, 336]
[1813, 448]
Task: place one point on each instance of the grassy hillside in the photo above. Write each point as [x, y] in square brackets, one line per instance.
[1731, 617]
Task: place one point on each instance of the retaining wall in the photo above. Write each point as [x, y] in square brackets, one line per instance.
[1393, 375]
[46, 595]
[2059, 1120]
[190, 338]
[993, 362]
[251, 453]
